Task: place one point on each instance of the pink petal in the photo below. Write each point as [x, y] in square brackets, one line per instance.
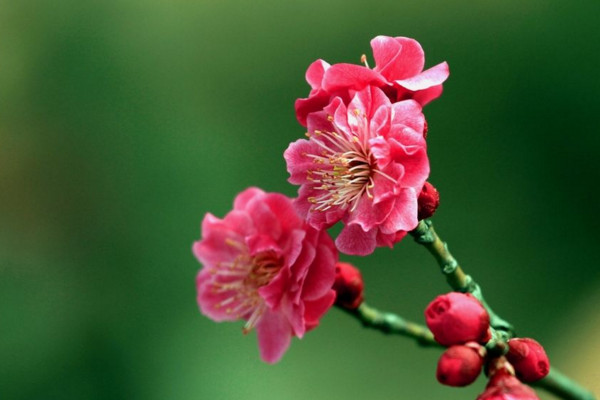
[415, 162]
[315, 309]
[427, 95]
[298, 161]
[383, 186]
[317, 219]
[403, 216]
[242, 199]
[350, 76]
[354, 241]
[409, 113]
[318, 121]
[389, 240]
[237, 222]
[313, 103]
[261, 243]
[299, 269]
[276, 289]
[369, 213]
[397, 58]
[265, 221]
[216, 248]
[274, 335]
[432, 77]
[380, 149]
[315, 72]
[321, 276]
[294, 246]
[208, 299]
[380, 122]
[294, 313]
[283, 208]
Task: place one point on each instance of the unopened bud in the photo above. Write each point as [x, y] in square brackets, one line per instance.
[457, 318]
[428, 201]
[348, 286]
[528, 358]
[460, 365]
[504, 386]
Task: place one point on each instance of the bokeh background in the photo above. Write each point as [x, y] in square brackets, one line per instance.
[122, 122]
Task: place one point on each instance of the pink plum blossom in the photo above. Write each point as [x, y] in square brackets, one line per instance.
[262, 263]
[363, 164]
[398, 71]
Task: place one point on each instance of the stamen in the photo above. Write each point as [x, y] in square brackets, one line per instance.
[363, 59]
[343, 171]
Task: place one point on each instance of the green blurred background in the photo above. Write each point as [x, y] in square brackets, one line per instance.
[123, 122]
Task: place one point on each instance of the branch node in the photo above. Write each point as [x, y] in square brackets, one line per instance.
[422, 233]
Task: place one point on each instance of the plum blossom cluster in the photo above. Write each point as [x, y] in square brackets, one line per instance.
[364, 161]
[460, 322]
[270, 261]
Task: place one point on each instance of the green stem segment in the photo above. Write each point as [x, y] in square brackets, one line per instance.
[555, 382]
[458, 280]
[562, 386]
[389, 323]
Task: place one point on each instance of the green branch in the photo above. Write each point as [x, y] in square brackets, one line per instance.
[562, 386]
[389, 323]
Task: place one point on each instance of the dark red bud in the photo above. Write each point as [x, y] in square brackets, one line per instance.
[460, 365]
[505, 386]
[348, 286]
[528, 358]
[428, 201]
[457, 318]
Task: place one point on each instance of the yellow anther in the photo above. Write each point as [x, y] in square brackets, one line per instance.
[363, 59]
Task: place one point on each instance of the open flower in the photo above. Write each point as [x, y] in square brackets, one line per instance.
[264, 264]
[398, 71]
[363, 164]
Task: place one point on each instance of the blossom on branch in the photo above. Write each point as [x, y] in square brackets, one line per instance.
[363, 164]
[262, 263]
[399, 63]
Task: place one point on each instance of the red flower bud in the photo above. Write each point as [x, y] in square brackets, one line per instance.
[504, 386]
[348, 286]
[428, 201]
[457, 318]
[460, 365]
[528, 358]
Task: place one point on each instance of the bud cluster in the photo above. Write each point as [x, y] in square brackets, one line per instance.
[461, 323]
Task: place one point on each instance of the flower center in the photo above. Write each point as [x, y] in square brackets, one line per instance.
[241, 279]
[343, 171]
